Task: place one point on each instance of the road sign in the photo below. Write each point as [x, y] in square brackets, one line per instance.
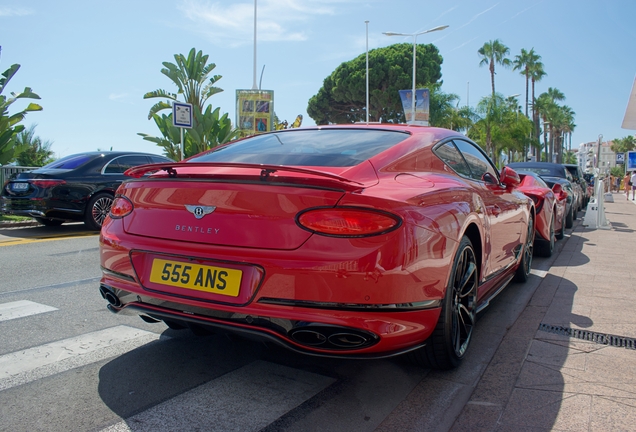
[620, 158]
[182, 115]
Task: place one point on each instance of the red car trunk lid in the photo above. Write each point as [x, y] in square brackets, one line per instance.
[249, 215]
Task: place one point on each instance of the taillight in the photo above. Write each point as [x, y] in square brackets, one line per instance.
[47, 183]
[121, 207]
[538, 202]
[348, 222]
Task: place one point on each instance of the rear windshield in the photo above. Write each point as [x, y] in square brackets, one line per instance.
[69, 162]
[541, 170]
[311, 147]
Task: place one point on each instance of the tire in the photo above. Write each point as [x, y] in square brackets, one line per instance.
[448, 344]
[525, 264]
[560, 234]
[97, 210]
[569, 220]
[544, 248]
[49, 222]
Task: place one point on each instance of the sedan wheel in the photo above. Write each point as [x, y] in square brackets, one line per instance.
[98, 208]
[523, 271]
[546, 247]
[561, 233]
[569, 220]
[447, 346]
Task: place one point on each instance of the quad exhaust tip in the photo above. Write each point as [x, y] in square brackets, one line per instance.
[330, 337]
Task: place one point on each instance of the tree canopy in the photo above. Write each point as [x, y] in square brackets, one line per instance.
[342, 98]
[9, 123]
[191, 76]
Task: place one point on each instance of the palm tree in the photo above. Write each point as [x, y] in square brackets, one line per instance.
[34, 152]
[490, 110]
[555, 117]
[190, 75]
[523, 62]
[536, 74]
[494, 52]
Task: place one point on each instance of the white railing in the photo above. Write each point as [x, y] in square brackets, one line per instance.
[8, 171]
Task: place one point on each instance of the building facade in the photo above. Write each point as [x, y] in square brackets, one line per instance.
[588, 154]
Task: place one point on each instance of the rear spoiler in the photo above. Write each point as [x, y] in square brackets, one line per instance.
[266, 170]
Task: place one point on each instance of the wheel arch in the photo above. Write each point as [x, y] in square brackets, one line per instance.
[474, 235]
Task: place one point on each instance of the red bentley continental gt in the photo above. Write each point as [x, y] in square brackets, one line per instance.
[362, 241]
[550, 208]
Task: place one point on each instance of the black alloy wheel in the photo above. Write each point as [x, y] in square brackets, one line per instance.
[525, 265]
[561, 233]
[546, 247]
[97, 210]
[448, 344]
[569, 220]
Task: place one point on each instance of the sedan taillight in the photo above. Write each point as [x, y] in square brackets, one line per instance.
[48, 183]
[120, 207]
[348, 222]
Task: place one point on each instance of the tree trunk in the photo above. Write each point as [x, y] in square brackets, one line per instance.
[492, 76]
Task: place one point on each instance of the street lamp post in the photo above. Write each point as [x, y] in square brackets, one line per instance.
[366, 23]
[414, 36]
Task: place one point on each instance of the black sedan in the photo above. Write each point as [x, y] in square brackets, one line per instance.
[552, 173]
[78, 187]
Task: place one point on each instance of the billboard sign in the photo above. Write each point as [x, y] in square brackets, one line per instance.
[631, 161]
[422, 102]
[255, 111]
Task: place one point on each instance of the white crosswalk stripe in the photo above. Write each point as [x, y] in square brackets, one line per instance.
[45, 360]
[247, 399]
[22, 308]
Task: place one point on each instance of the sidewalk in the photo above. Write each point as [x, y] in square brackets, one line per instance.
[558, 368]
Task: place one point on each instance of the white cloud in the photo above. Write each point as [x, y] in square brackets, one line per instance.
[277, 20]
[117, 96]
[15, 11]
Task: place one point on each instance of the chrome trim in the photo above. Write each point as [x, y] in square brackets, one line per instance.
[397, 307]
[117, 274]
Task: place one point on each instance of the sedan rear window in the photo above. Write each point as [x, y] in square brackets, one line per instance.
[311, 147]
[69, 162]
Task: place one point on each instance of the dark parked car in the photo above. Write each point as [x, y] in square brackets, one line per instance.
[353, 241]
[579, 177]
[553, 173]
[78, 187]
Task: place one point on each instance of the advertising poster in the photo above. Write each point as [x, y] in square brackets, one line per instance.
[255, 111]
[422, 102]
[631, 161]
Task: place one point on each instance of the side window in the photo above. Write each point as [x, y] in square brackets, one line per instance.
[159, 159]
[451, 156]
[478, 162]
[121, 164]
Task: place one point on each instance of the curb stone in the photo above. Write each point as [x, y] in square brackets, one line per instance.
[18, 224]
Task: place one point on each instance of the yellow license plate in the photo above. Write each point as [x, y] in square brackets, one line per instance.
[217, 280]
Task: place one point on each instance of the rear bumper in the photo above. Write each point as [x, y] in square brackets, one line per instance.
[313, 331]
[39, 208]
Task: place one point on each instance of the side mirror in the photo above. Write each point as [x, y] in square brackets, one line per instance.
[509, 177]
[557, 188]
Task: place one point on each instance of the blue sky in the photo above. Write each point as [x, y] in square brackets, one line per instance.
[91, 62]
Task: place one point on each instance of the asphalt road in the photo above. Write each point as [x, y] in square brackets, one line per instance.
[66, 363]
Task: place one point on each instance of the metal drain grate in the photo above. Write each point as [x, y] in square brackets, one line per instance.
[599, 338]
